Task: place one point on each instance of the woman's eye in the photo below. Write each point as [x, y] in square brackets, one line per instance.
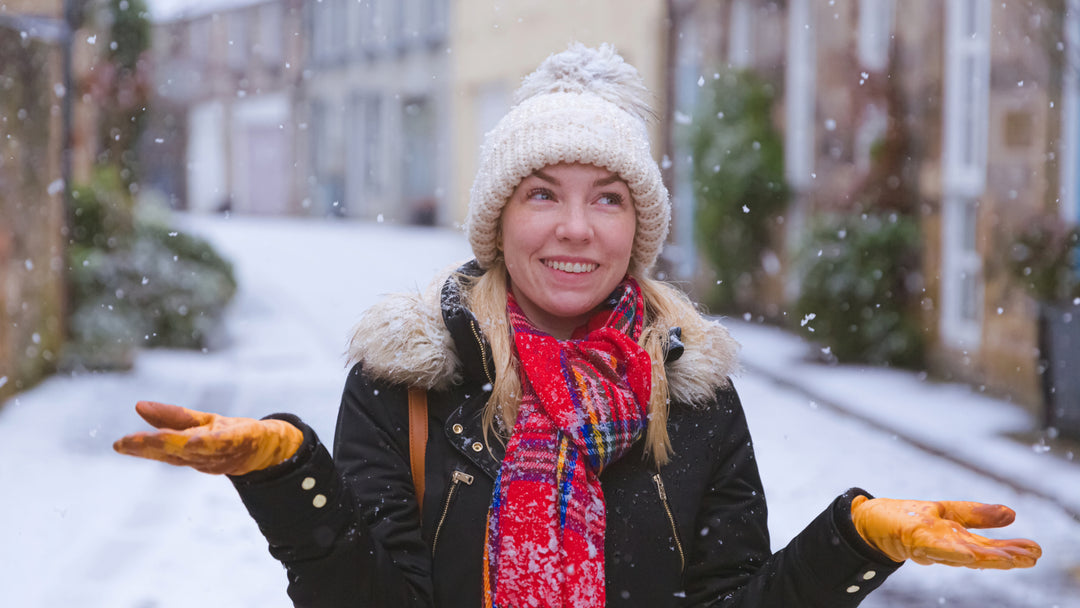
[542, 194]
[610, 199]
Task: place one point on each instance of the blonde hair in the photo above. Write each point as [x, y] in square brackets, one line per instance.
[665, 307]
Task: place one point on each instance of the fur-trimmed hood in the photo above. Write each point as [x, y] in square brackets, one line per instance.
[405, 339]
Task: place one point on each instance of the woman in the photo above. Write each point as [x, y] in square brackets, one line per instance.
[584, 444]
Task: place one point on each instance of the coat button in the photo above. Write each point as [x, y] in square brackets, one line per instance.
[457, 428]
[308, 483]
[869, 575]
[320, 501]
[477, 447]
[853, 589]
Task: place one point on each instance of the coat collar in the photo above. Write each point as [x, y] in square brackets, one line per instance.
[431, 340]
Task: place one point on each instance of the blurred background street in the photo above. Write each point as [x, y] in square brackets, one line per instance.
[199, 197]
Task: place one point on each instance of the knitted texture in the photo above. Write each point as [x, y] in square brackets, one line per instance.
[586, 106]
[584, 403]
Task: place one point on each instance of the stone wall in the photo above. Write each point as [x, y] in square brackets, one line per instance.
[31, 210]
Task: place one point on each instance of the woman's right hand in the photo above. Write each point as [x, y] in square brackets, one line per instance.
[208, 442]
[928, 532]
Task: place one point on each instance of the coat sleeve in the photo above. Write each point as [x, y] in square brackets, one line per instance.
[826, 565]
[346, 528]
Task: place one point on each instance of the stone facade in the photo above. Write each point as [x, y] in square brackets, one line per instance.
[224, 133]
[977, 89]
[31, 194]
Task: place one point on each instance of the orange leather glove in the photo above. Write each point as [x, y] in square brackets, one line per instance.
[934, 533]
[210, 443]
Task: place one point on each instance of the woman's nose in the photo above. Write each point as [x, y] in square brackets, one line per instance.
[574, 224]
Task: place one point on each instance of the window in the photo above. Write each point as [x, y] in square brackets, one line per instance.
[354, 15]
[875, 33]
[740, 34]
[326, 167]
[801, 92]
[961, 284]
[199, 39]
[492, 101]
[364, 145]
[270, 34]
[338, 27]
[967, 94]
[418, 160]
[322, 23]
[373, 144]
[236, 28]
[1070, 128]
[319, 139]
[435, 19]
[399, 26]
[966, 120]
[374, 25]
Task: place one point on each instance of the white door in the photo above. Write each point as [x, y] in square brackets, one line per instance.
[267, 174]
[206, 169]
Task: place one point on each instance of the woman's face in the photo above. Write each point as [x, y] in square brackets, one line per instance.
[567, 233]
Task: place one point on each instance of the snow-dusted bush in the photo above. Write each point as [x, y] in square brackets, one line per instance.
[859, 279]
[1044, 257]
[739, 186]
[137, 282]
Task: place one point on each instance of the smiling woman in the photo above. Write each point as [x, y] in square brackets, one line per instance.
[566, 236]
[582, 442]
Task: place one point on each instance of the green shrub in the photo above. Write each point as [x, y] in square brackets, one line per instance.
[1043, 257]
[859, 274]
[739, 187]
[137, 282]
[101, 214]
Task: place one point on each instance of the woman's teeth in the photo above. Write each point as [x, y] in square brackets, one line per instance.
[571, 267]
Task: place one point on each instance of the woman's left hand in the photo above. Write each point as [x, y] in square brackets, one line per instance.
[208, 442]
[935, 533]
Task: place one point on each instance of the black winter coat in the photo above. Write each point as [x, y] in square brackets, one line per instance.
[693, 533]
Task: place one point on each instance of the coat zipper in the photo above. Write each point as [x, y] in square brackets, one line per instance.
[671, 519]
[483, 353]
[457, 477]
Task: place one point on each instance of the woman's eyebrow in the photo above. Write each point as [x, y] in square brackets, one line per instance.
[604, 181]
[547, 178]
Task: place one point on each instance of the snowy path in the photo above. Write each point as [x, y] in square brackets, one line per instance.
[86, 527]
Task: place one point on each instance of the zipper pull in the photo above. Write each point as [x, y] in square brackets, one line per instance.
[660, 487]
[465, 477]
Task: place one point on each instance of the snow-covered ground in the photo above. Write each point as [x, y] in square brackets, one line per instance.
[87, 527]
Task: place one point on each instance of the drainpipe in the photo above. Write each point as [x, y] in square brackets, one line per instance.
[72, 17]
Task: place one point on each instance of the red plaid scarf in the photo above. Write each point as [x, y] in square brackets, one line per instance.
[584, 403]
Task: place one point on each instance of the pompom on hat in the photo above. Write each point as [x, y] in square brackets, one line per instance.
[582, 105]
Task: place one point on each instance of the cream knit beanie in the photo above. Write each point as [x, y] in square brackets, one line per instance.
[582, 105]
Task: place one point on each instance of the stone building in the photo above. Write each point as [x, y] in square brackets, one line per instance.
[224, 131]
[376, 105]
[36, 110]
[981, 91]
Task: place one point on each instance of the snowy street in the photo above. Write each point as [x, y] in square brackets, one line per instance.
[87, 527]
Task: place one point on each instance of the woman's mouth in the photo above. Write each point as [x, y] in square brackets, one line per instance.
[571, 267]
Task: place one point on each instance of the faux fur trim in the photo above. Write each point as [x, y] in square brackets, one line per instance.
[709, 359]
[403, 340]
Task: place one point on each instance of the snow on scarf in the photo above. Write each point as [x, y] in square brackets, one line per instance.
[584, 403]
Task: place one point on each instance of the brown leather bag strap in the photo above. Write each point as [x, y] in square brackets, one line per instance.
[418, 433]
